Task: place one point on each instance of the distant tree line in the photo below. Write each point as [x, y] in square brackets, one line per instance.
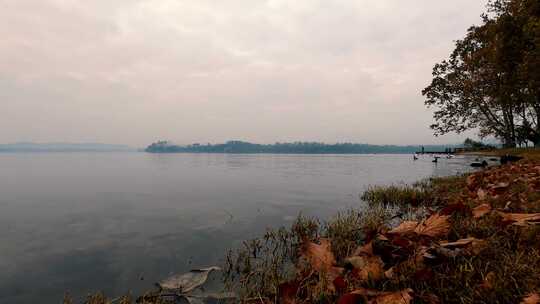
[491, 81]
[236, 146]
[473, 145]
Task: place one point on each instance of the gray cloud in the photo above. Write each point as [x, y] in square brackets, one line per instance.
[133, 71]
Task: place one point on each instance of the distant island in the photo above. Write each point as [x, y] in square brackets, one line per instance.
[63, 147]
[236, 146]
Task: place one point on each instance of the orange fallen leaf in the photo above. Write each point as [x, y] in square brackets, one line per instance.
[435, 225]
[383, 297]
[473, 245]
[521, 219]
[398, 297]
[287, 292]
[404, 228]
[389, 274]
[532, 298]
[481, 193]
[471, 181]
[367, 267]
[350, 298]
[320, 257]
[367, 249]
[501, 185]
[481, 210]
[487, 284]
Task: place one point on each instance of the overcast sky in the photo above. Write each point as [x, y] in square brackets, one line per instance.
[134, 71]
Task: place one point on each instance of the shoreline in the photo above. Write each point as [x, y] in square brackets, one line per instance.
[433, 230]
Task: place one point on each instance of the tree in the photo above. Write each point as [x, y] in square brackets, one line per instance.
[491, 80]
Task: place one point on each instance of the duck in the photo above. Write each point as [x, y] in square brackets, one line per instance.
[414, 157]
[479, 165]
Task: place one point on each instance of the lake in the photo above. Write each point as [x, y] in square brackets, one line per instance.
[83, 222]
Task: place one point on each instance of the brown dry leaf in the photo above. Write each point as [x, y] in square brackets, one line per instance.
[389, 274]
[481, 193]
[472, 245]
[481, 210]
[384, 297]
[532, 298]
[435, 225]
[367, 268]
[398, 297]
[320, 257]
[405, 227]
[287, 292]
[367, 249]
[488, 281]
[521, 219]
[501, 186]
[471, 181]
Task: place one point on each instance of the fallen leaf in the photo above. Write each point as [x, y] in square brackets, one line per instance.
[481, 193]
[340, 284]
[521, 219]
[471, 181]
[389, 274]
[472, 245]
[287, 292]
[424, 274]
[188, 281]
[453, 208]
[367, 249]
[532, 298]
[481, 210]
[435, 225]
[350, 298]
[501, 186]
[488, 281]
[431, 299]
[404, 243]
[380, 297]
[320, 257]
[398, 297]
[367, 267]
[404, 228]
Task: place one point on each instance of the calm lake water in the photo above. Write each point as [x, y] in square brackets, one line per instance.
[83, 222]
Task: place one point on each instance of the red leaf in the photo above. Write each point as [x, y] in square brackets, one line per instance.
[350, 298]
[287, 292]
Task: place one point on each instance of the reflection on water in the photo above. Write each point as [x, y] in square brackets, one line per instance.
[117, 222]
